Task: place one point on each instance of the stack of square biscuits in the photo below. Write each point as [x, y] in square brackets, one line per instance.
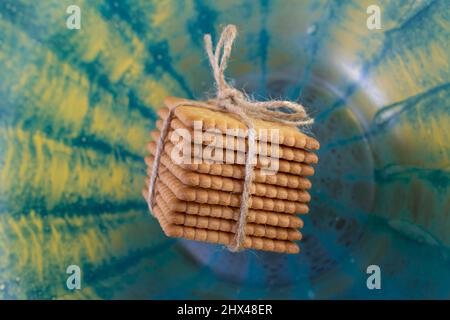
[197, 195]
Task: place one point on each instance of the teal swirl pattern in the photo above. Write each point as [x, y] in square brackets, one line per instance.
[77, 106]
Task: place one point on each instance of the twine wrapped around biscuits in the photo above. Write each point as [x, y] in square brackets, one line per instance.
[235, 102]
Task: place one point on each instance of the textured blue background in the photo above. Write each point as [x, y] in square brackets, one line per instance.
[76, 107]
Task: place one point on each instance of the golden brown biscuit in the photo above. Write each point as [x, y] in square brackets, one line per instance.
[201, 195]
[193, 179]
[223, 142]
[289, 136]
[257, 203]
[210, 165]
[270, 218]
[210, 223]
[225, 238]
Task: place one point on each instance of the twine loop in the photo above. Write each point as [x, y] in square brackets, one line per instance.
[229, 95]
[235, 102]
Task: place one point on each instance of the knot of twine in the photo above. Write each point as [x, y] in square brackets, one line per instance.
[235, 102]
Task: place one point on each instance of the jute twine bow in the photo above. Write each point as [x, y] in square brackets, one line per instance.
[235, 102]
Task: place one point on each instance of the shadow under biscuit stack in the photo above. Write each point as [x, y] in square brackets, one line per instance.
[197, 197]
